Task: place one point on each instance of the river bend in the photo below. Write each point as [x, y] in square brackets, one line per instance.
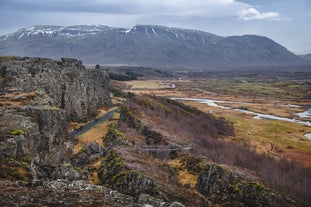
[216, 103]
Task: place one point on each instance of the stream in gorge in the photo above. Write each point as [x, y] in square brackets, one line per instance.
[216, 103]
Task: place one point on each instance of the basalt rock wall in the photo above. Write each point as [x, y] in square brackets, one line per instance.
[80, 92]
[38, 98]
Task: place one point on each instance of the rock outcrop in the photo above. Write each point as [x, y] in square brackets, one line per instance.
[88, 153]
[226, 185]
[80, 92]
[37, 99]
[71, 193]
[116, 175]
[232, 187]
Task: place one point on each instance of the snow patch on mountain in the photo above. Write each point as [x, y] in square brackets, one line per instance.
[56, 31]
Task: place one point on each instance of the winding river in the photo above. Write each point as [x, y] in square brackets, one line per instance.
[216, 103]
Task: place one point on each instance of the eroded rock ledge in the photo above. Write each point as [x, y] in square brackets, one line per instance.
[80, 92]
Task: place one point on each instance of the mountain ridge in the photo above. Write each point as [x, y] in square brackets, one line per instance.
[148, 45]
[306, 57]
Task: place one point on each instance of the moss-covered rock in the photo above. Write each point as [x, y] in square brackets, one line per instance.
[114, 174]
[114, 137]
[127, 116]
[194, 163]
[233, 187]
[249, 194]
[43, 96]
[133, 183]
[152, 137]
[111, 166]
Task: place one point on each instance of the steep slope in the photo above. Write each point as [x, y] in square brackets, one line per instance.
[148, 45]
[169, 150]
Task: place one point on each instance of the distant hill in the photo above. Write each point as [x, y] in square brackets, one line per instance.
[148, 45]
[306, 57]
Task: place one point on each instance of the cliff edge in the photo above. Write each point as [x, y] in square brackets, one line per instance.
[38, 97]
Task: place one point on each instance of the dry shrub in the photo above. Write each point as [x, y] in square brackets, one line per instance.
[285, 176]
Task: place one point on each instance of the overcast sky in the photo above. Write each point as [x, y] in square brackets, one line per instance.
[288, 22]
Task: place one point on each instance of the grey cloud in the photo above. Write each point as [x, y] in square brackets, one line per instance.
[90, 6]
[206, 8]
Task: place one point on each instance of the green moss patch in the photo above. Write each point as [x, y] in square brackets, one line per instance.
[113, 136]
[17, 132]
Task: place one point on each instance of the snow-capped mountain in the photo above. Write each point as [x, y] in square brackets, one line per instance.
[147, 45]
[56, 32]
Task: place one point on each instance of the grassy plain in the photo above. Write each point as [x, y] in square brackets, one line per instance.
[279, 89]
[147, 84]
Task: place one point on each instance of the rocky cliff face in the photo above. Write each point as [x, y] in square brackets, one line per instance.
[70, 86]
[37, 99]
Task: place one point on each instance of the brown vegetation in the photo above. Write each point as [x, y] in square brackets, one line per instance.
[190, 125]
[16, 99]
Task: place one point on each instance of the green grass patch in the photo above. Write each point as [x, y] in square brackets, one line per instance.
[280, 133]
[241, 86]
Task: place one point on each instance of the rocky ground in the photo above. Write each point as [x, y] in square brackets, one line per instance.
[78, 193]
